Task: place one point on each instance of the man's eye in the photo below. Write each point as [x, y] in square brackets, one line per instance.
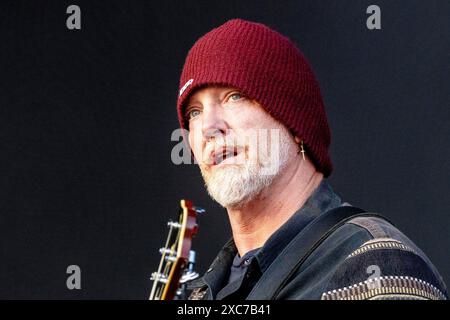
[192, 113]
[235, 96]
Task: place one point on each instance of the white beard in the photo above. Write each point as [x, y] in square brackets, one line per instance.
[234, 185]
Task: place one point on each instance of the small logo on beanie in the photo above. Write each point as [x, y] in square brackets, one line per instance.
[187, 84]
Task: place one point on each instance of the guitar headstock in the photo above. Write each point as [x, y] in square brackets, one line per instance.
[176, 254]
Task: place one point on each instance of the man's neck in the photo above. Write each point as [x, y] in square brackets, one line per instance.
[253, 223]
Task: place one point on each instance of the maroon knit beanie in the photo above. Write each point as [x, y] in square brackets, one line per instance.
[268, 68]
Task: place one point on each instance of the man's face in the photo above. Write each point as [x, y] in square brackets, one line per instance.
[239, 147]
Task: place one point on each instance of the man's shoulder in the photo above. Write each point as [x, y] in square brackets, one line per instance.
[375, 260]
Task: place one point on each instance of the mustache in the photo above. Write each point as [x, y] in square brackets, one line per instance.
[215, 154]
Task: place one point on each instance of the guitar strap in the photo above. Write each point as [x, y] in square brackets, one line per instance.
[284, 267]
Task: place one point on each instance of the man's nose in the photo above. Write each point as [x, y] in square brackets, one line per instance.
[213, 123]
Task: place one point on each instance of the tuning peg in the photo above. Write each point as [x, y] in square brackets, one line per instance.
[166, 251]
[191, 260]
[199, 210]
[170, 258]
[173, 224]
[158, 277]
[189, 276]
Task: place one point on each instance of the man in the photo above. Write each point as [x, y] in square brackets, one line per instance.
[259, 132]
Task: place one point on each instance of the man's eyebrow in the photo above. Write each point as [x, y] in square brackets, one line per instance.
[191, 101]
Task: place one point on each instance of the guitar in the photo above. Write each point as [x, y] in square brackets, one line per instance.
[176, 266]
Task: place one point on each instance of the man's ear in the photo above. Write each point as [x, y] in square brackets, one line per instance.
[297, 139]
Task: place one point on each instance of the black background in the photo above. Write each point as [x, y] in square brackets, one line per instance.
[86, 118]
